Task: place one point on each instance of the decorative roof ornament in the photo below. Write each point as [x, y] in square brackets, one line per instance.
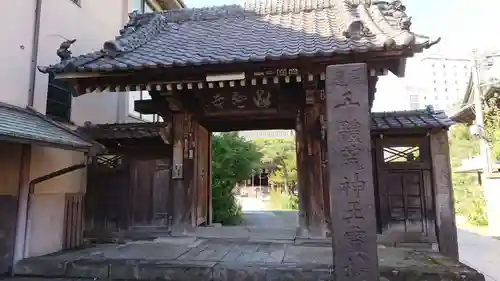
[139, 30]
[63, 52]
[131, 25]
[399, 12]
[396, 9]
[356, 3]
[356, 30]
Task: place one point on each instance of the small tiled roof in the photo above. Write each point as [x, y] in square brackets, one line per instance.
[259, 30]
[28, 126]
[124, 130]
[414, 119]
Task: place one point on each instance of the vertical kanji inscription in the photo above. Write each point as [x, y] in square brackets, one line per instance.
[350, 164]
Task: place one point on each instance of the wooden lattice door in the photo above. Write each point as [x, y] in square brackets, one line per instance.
[405, 190]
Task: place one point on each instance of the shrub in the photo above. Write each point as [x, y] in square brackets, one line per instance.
[283, 200]
[233, 159]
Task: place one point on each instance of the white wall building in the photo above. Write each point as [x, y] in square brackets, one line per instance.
[436, 80]
[431, 80]
[261, 134]
[34, 205]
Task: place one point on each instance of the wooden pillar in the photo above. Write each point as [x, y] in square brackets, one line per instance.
[210, 214]
[324, 163]
[314, 181]
[351, 178]
[183, 173]
[302, 174]
[443, 191]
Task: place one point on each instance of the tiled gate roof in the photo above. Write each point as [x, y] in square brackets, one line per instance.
[413, 119]
[258, 31]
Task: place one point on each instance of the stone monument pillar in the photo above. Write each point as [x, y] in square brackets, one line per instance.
[352, 201]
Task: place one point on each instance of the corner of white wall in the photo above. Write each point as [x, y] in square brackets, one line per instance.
[46, 224]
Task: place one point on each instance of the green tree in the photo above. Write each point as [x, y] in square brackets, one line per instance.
[233, 159]
[469, 199]
[492, 124]
[280, 155]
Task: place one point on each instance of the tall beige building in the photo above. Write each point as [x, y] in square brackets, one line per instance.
[42, 160]
[436, 80]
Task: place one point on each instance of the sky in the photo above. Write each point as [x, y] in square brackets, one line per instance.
[463, 25]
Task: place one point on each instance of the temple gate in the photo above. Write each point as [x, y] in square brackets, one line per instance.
[204, 76]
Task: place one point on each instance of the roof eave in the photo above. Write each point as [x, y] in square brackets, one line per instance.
[51, 144]
[464, 115]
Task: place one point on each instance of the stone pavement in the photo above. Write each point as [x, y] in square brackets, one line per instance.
[480, 252]
[194, 259]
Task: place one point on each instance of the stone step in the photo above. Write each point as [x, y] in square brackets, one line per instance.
[16, 278]
[182, 259]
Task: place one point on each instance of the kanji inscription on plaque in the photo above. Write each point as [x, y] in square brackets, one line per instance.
[349, 160]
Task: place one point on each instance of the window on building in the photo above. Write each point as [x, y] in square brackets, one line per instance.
[414, 98]
[141, 95]
[414, 106]
[142, 6]
[59, 98]
[147, 8]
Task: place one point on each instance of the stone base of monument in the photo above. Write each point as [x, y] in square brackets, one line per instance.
[219, 260]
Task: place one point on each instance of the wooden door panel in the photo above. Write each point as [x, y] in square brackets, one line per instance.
[404, 189]
[142, 192]
[405, 218]
[161, 191]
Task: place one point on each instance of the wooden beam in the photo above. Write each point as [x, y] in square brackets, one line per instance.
[163, 76]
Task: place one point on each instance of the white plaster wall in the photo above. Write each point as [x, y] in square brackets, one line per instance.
[46, 160]
[15, 51]
[92, 24]
[95, 22]
[491, 187]
[46, 222]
